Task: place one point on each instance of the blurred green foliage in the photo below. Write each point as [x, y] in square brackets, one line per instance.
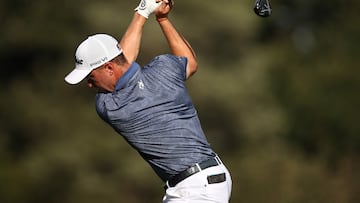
[278, 99]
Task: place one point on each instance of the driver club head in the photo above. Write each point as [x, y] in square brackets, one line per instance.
[262, 8]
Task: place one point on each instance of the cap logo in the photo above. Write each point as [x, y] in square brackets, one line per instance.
[96, 63]
[79, 61]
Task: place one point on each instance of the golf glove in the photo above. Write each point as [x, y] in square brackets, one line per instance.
[146, 7]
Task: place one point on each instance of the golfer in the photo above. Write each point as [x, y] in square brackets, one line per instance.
[150, 107]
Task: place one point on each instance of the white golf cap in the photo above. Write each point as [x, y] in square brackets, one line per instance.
[95, 51]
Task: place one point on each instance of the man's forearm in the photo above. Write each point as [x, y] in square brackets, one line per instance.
[131, 40]
[179, 46]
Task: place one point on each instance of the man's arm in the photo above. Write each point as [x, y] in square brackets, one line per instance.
[130, 42]
[177, 43]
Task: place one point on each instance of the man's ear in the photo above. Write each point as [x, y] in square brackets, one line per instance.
[109, 68]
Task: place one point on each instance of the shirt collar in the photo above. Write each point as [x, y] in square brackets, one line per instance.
[125, 78]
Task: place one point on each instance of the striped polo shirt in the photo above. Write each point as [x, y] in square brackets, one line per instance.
[152, 110]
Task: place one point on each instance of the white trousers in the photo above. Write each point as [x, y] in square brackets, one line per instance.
[196, 189]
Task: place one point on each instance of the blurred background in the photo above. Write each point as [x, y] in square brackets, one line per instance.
[278, 98]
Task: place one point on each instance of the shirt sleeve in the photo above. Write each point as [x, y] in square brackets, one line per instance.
[100, 106]
[171, 65]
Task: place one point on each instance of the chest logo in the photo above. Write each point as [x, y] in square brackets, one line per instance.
[141, 85]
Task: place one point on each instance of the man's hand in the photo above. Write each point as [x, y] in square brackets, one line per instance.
[147, 7]
[164, 9]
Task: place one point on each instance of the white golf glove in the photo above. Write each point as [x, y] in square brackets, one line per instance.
[146, 7]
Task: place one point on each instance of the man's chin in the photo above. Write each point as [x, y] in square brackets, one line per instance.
[99, 90]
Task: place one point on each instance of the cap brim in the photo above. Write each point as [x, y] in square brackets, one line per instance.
[76, 76]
